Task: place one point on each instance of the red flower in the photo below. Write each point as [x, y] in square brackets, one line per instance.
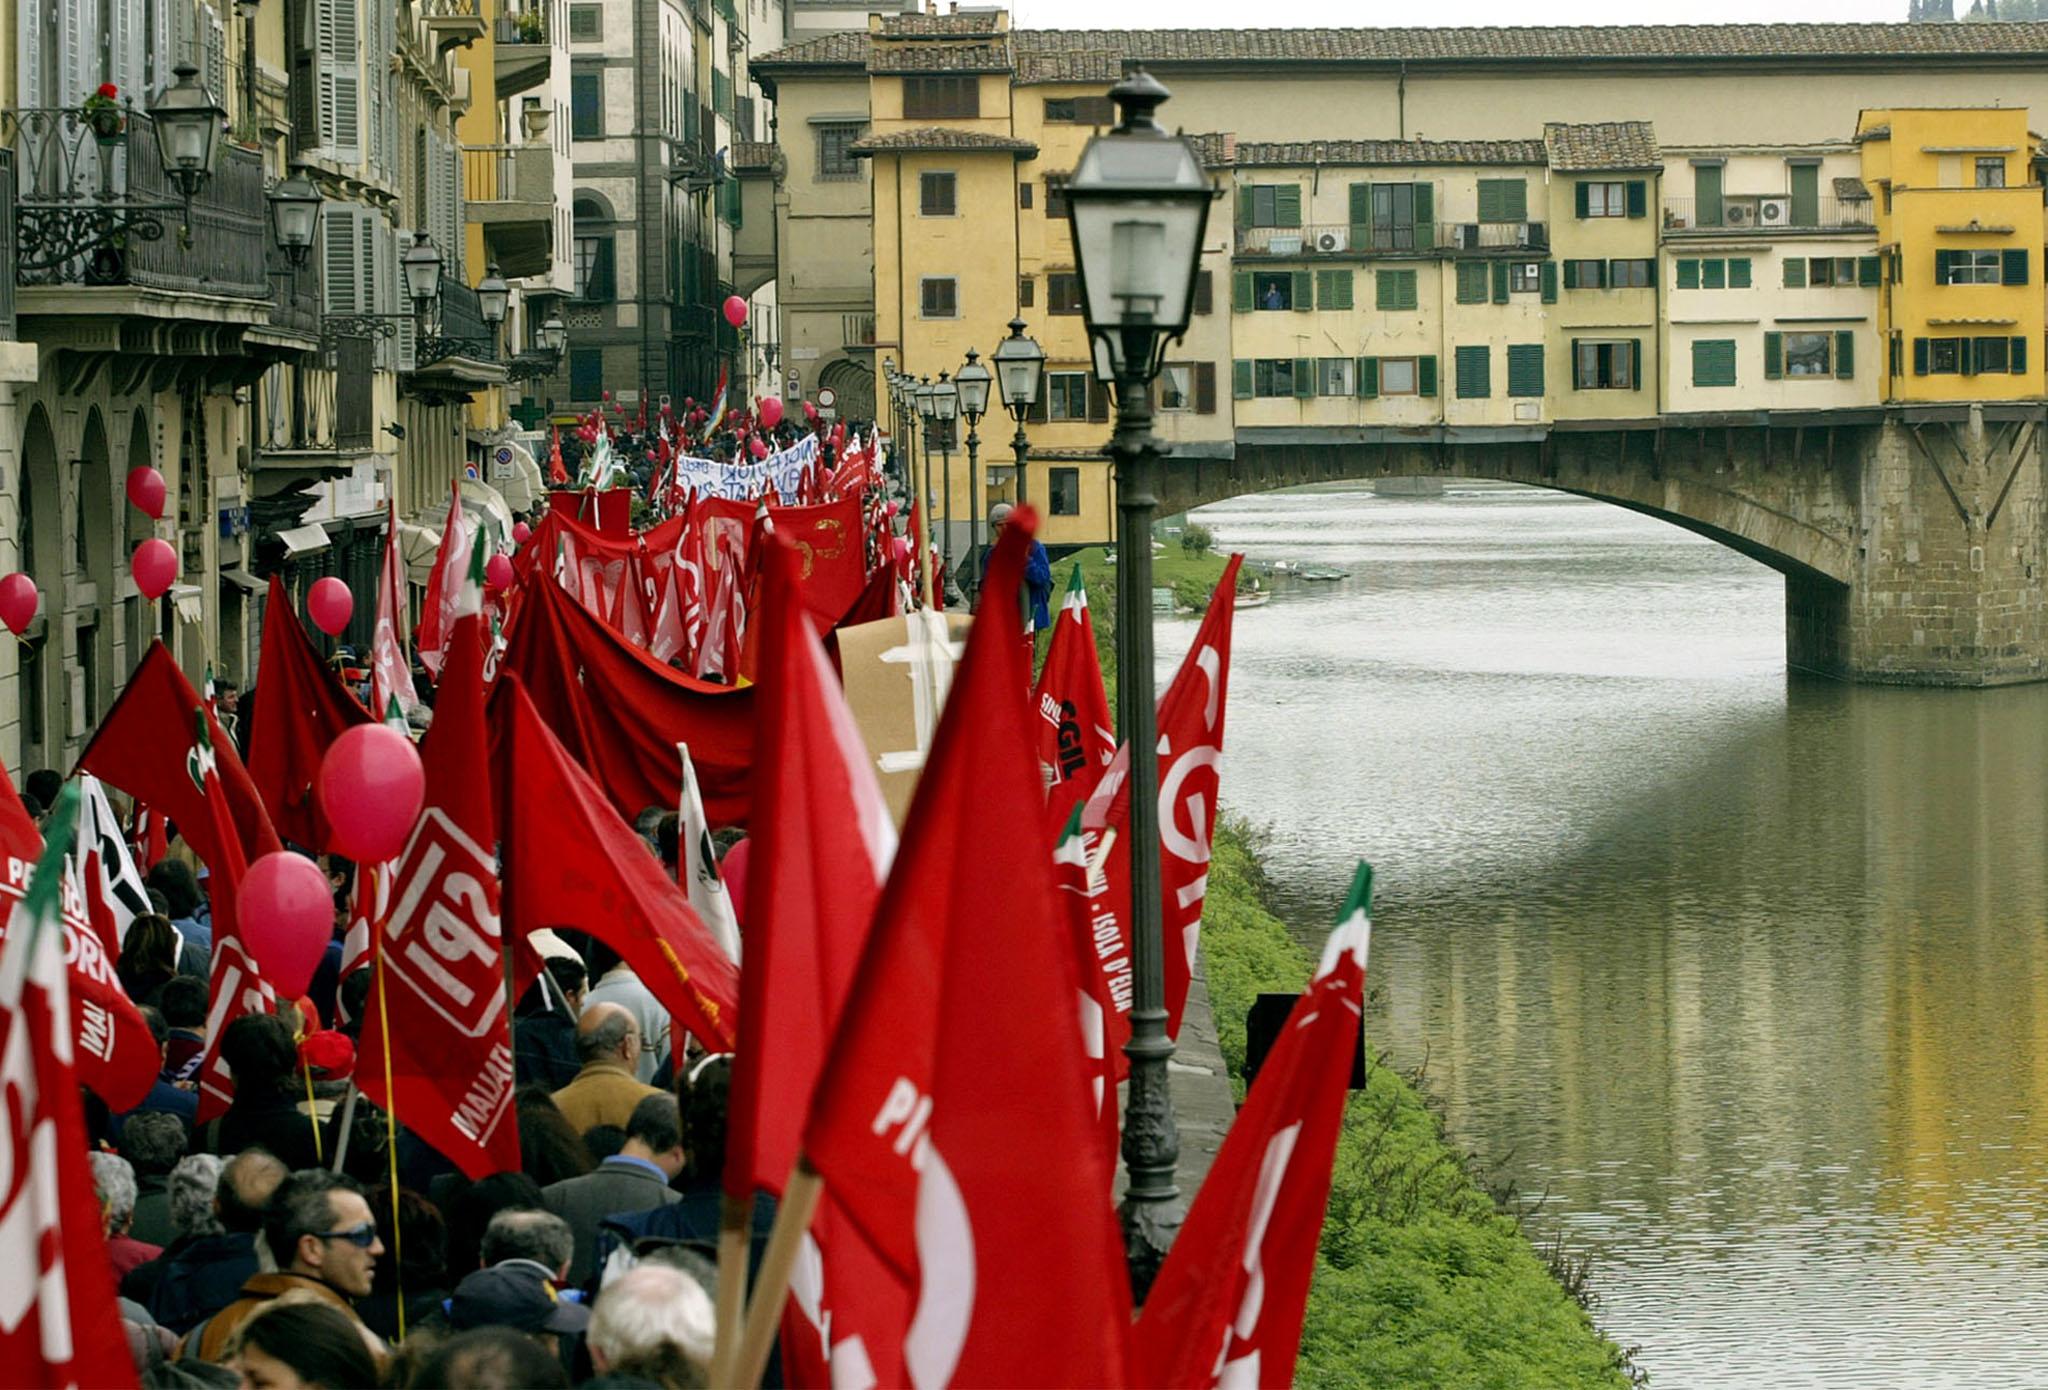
[109, 90]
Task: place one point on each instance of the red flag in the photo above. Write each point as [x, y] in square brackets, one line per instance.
[390, 672]
[303, 710]
[440, 975]
[59, 1325]
[558, 476]
[1190, 754]
[444, 583]
[570, 859]
[116, 1055]
[1076, 737]
[1227, 1306]
[832, 554]
[1102, 967]
[953, 1122]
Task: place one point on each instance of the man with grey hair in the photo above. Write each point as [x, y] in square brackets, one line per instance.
[188, 1195]
[538, 1238]
[605, 1091]
[202, 1274]
[525, 1254]
[153, 1141]
[113, 1178]
[655, 1322]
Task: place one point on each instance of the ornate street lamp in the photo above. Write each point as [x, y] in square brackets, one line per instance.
[421, 265]
[295, 207]
[493, 296]
[971, 382]
[1020, 377]
[945, 410]
[554, 335]
[1138, 204]
[188, 121]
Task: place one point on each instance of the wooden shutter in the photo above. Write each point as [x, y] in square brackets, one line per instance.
[1774, 356]
[1287, 205]
[1241, 291]
[1525, 369]
[1571, 275]
[1490, 201]
[1425, 376]
[1941, 259]
[1242, 201]
[2016, 357]
[1361, 215]
[1547, 281]
[1241, 379]
[341, 79]
[1966, 355]
[1738, 273]
[127, 47]
[2015, 266]
[1471, 282]
[1638, 198]
[1425, 216]
[1027, 291]
[1304, 291]
[1713, 362]
[1919, 357]
[1333, 289]
[1688, 273]
[1845, 354]
[1795, 273]
[1500, 282]
[1205, 388]
[1368, 377]
[341, 259]
[1515, 200]
[1098, 400]
[1385, 294]
[1304, 378]
[1866, 270]
[1581, 198]
[1475, 372]
[1024, 195]
[1635, 364]
[1205, 292]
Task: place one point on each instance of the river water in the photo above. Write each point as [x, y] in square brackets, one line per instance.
[1748, 972]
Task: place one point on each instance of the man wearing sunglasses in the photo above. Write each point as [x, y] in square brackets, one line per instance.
[324, 1239]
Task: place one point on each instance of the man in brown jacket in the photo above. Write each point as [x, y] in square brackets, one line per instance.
[606, 1090]
[324, 1239]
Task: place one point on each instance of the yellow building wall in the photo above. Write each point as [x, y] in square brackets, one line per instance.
[1619, 315]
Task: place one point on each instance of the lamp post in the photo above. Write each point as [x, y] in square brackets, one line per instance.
[946, 409]
[1138, 204]
[493, 299]
[554, 336]
[295, 207]
[1020, 377]
[187, 119]
[421, 265]
[927, 407]
[972, 383]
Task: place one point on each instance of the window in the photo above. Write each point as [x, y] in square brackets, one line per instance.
[1067, 395]
[586, 23]
[1586, 275]
[1988, 354]
[586, 374]
[1713, 362]
[1971, 268]
[1991, 172]
[938, 297]
[586, 105]
[1635, 274]
[1273, 289]
[1177, 386]
[1475, 372]
[1472, 281]
[1026, 291]
[1024, 196]
[1271, 205]
[1946, 354]
[1394, 289]
[1335, 376]
[1273, 376]
[935, 190]
[1205, 292]
[1393, 216]
[1605, 365]
[1503, 200]
[948, 97]
[592, 258]
[1398, 376]
[1822, 271]
[833, 160]
[1055, 195]
[1078, 111]
[1807, 355]
[1063, 292]
[1525, 369]
[1525, 277]
[1603, 199]
[1063, 488]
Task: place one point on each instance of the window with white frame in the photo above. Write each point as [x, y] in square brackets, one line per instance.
[1525, 277]
[1606, 200]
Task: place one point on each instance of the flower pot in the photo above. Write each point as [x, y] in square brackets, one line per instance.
[107, 123]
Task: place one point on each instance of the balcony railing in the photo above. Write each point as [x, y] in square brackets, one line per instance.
[101, 212]
[525, 24]
[1351, 239]
[7, 243]
[857, 330]
[1766, 213]
[296, 305]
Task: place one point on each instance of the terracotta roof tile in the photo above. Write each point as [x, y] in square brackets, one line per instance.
[1602, 145]
[1103, 66]
[829, 50]
[952, 57]
[936, 137]
[1368, 152]
[974, 24]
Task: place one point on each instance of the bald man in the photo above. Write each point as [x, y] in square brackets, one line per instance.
[606, 1089]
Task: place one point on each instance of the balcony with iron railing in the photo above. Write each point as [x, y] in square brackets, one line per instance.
[523, 56]
[1392, 239]
[1767, 214]
[7, 244]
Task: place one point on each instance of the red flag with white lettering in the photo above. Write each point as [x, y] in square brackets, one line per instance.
[953, 1122]
[1227, 1305]
[1076, 737]
[438, 977]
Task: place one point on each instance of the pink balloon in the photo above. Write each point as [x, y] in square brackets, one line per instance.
[810, 412]
[891, 507]
[154, 566]
[498, 573]
[757, 448]
[735, 310]
[901, 545]
[732, 871]
[18, 600]
[771, 412]
[370, 789]
[285, 908]
[330, 604]
[521, 532]
[146, 490]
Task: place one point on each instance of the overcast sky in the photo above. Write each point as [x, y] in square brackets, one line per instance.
[1204, 14]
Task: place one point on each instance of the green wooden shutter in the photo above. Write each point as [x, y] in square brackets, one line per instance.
[1304, 291]
[1425, 376]
[1581, 200]
[1941, 267]
[1368, 376]
[1340, 291]
[1304, 377]
[1547, 279]
[1713, 362]
[1713, 274]
[1966, 354]
[1638, 198]
[1241, 292]
[1407, 289]
[1471, 282]
[1475, 373]
[1490, 201]
[1738, 273]
[1845, 355]
[1706, 194]
[1688, 273]
[1517, 200]
[2015, 267]
[1774, 356]
[1525, 369]
[1242, 196]
[1571, 275]
[1425, 216]
[2016, 357]
[1500, 282]
[1241, 379]
[1361, 205]
[1867, 270]
[1287, 205]
[1795, 273]
[1919, 357]
[1324, 291]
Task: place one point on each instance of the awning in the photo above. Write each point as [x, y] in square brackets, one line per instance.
[243, 580]
[185, 601]
[298, 539]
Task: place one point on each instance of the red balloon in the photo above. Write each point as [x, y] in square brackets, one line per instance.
[521, 532]
[498, 573]
[146, 490]
[810, 412]
[891, 507]
[155, 566]
[771, 412]
[901, 546]
[18, 599]
[285, 908]
[732, 871]
[757, 448]
[735, 310]
[330, 604]
[370, 789]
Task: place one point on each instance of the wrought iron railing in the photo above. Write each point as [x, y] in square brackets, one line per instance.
[296, 301]
[93, 207]
[7, 243]
[1754, 212]
[462, 330]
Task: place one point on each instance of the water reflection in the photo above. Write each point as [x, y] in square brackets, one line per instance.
[1748, 971]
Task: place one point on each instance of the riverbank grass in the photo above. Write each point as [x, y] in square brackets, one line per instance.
[1421, 1279]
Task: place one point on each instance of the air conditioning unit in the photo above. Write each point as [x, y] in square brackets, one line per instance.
[1289, 245]
[1335, 239]
[1774, 212]
[1739, 215]
[1467, 238]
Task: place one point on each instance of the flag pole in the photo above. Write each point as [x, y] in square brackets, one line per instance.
[391, 1134]
[348, 1120]
[312, 1106]
[735, 1218]
[764, 1313]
